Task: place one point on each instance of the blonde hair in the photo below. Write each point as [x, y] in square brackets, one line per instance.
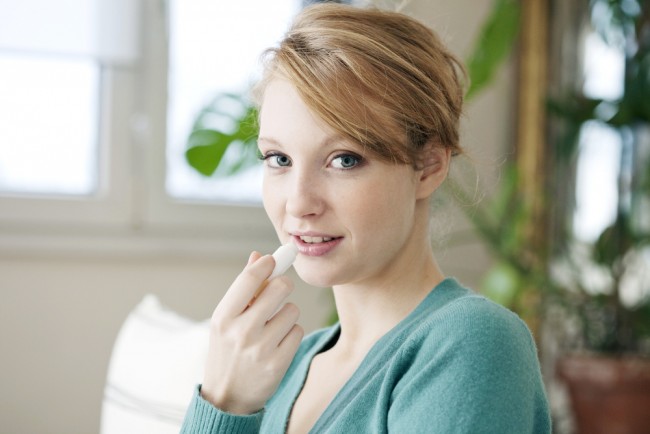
[379, 78]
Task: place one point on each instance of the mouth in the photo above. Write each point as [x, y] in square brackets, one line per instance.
[315, 240]
[316, 245]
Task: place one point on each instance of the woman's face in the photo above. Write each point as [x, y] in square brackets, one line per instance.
[349, 213]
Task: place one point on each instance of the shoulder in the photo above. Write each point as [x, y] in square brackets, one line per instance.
[470, 365]
[471, 335]
[472, 322]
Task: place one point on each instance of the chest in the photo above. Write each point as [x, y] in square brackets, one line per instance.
[324, 380]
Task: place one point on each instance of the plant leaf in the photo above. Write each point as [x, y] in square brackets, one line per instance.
[573, 110]
[501, 284]
[246, 157]
[247, 126]
[206, 149]
[493, 45]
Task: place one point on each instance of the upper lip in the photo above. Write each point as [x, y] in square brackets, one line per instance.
[312, 234]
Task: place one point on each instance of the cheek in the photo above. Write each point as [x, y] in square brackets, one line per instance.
[272, 202]
[381, 208]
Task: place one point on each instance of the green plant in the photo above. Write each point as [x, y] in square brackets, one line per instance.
[493, 45]
[587, 280]
[518, 274]
[612, 322]
[530, 278]
[225, 126]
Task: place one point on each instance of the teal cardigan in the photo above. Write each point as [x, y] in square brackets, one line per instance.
[458, 363]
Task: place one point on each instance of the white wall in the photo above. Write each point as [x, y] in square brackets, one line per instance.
[59, 319]
[59, 314]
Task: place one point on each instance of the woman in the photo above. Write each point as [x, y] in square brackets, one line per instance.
[358, 124]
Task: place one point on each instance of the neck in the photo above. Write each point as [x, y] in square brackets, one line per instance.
[368, 310]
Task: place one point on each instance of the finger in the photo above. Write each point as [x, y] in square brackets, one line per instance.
[281, 323]
[289, 345]
[254, 256]
[271, 299]
[243, 289]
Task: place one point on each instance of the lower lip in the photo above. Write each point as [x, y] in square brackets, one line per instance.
[316, 249]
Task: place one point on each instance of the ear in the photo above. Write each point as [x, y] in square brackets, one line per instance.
[434, 169]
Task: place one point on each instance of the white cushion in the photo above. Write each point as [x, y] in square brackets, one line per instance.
[157, 360]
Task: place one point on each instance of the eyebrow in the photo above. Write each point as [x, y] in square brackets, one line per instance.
[269, 140]
[328, 141]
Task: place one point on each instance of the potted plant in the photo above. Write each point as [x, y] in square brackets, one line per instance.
[594, 296]
[606, 284]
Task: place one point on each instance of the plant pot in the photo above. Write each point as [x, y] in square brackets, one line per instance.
[608, 395]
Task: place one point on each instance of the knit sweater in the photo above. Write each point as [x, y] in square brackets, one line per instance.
[458, 363]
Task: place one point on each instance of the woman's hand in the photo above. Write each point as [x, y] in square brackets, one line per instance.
[252, 340]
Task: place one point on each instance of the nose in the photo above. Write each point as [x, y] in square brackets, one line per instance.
[305, 196]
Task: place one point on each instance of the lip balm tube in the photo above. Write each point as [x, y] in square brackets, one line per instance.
[284, 256]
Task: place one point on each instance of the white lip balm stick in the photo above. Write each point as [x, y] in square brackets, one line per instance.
[284, 257]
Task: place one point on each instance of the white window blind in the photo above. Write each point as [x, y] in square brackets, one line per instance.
[107, 30]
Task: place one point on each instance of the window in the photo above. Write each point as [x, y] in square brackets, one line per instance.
[49, 115]
[600, 145]
[51, 59]
[214, 48]
[94, 155]
[64, 76]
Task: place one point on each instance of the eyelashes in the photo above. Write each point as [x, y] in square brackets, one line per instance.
[346, 161]
[276, 160]
[340, 161]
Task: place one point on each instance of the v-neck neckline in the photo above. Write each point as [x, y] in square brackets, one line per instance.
[328, 340]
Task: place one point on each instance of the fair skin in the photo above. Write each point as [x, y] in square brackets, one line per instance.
[361, 226]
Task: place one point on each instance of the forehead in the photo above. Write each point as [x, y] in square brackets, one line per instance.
[284, 117]
[287, 123]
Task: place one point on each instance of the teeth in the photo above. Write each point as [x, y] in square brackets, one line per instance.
[313, 240]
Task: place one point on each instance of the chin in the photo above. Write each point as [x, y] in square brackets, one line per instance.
[317, 278]
[316, 281]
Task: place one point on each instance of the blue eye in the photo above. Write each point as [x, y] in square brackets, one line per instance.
[277, 160]
[346, 161]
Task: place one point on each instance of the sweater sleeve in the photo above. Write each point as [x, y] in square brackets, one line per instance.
[204, 418]
[476, 371]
